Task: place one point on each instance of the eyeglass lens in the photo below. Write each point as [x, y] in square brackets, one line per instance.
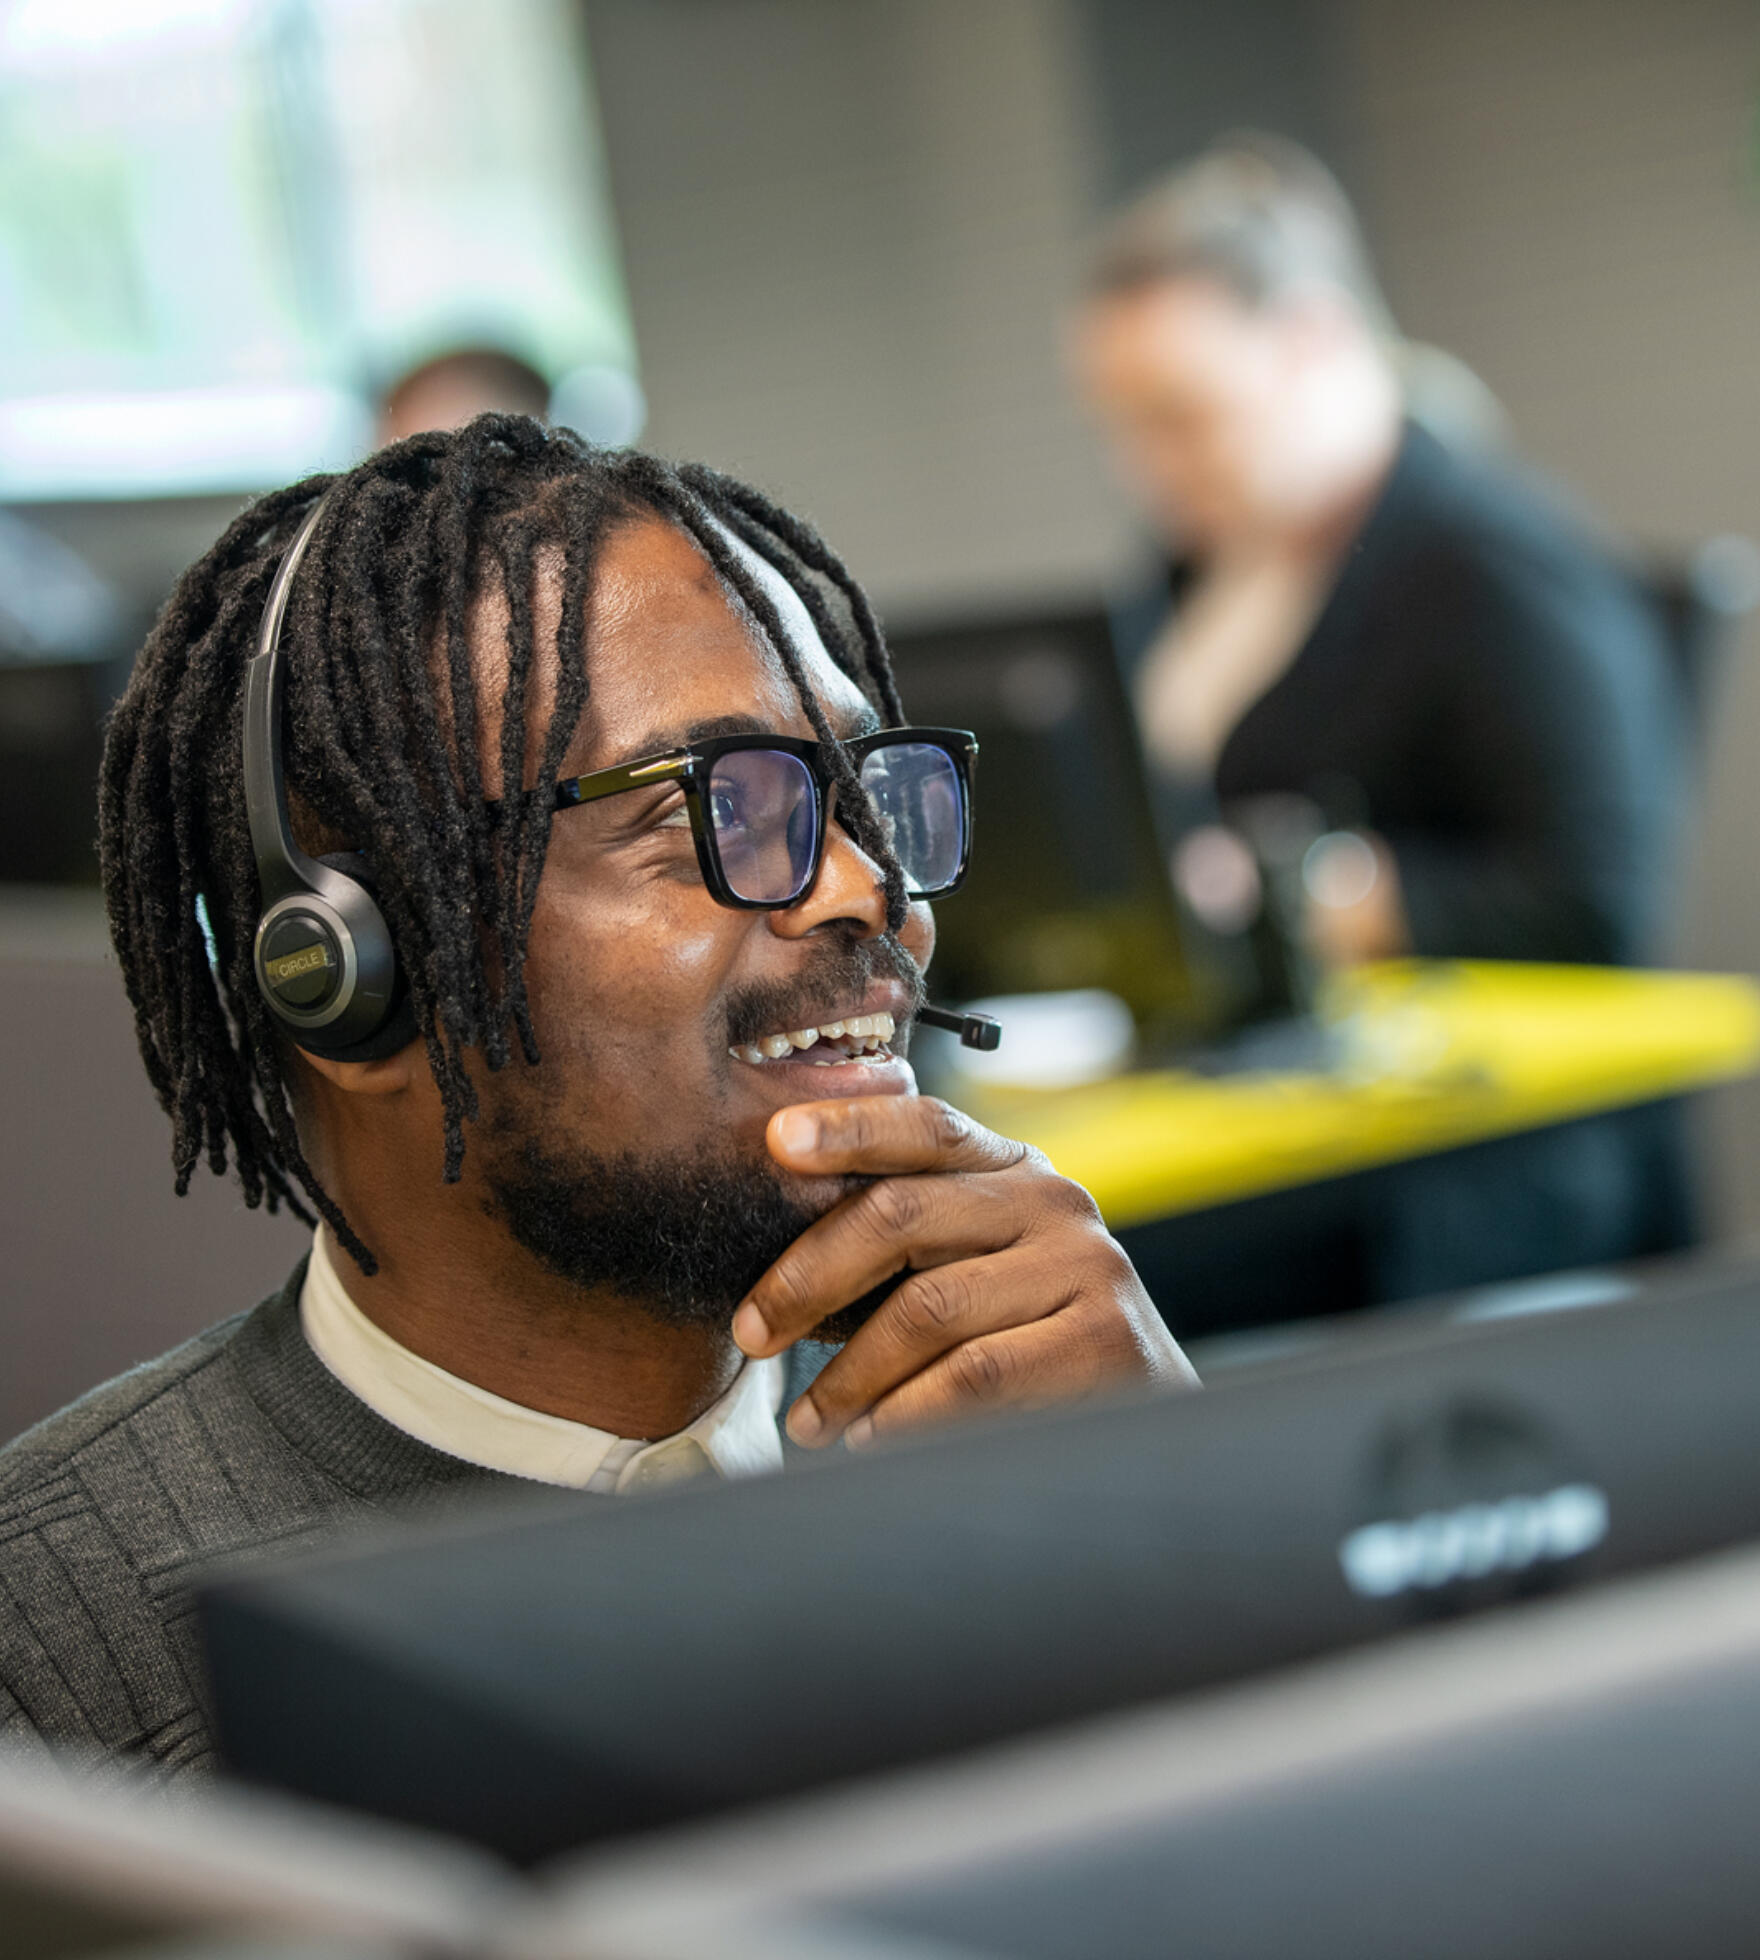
[763, 808]
[916, 789]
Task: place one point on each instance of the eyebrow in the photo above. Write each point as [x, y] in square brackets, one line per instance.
[849, 728]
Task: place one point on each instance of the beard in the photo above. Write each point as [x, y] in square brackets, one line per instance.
[683, 1241]
[682, 1238]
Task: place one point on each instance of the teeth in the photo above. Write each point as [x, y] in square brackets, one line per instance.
[870, 1030]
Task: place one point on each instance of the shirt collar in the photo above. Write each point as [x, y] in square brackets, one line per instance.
[736, 1436]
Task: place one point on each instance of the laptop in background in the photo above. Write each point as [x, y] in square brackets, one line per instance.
[1070, 888]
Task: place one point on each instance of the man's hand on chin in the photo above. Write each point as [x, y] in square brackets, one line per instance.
[1010, 1289]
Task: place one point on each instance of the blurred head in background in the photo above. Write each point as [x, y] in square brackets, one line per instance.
[1234, 346]
[451, 389]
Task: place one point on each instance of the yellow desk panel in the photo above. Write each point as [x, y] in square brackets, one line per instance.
[1432, 1054]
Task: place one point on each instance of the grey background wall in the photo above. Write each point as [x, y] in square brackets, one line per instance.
[848, 230]
[103, 1265]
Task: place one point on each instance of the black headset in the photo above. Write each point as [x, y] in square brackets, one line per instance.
[323, 955]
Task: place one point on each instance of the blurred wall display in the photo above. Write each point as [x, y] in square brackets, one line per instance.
[224, 223]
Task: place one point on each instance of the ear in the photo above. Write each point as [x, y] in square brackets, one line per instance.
[391, 1075]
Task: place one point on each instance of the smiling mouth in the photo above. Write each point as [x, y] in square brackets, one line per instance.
[863, 1037]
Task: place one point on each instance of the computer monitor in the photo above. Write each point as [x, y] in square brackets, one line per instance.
[51, 741]
[1573, 1781]
[93, 1861]
[579, 1669]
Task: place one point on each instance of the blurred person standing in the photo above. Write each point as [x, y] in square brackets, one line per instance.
[1403, 629]
[1389, 621]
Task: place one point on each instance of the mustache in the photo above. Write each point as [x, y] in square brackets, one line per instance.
[836, 978]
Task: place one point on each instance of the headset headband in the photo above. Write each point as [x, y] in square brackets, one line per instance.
[322, 953]
[282, 867]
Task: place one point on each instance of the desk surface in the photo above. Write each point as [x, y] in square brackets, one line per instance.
[1432, 1055]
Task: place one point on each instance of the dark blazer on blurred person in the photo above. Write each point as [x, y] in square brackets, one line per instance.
[1487, 689]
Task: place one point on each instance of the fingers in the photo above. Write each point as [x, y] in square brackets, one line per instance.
[891, 1227]
[1052, 1360]
[885, 1136]
[1009, 1288]
[927, 1316]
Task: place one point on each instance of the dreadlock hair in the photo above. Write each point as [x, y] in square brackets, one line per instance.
[383, 708]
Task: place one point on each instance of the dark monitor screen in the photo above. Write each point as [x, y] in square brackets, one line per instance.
[51, 740]
[1068, 886]
[582, 1668]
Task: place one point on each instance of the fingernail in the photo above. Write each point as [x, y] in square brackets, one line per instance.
[751, 1331]
[796, 1132]
[805, 1424]
[860, 1433]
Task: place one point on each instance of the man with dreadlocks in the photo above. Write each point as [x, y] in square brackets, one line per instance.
[638, 1144]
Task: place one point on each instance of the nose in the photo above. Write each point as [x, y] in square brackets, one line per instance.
[848, 892]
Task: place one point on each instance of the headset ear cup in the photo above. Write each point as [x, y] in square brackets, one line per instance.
[395, 1035]
[396, 1028]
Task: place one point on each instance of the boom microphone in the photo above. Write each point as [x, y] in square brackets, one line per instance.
[974, 1030]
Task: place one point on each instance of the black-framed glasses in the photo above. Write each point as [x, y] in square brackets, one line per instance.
[759, 805]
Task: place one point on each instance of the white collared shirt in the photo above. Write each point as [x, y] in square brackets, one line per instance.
[737, 1436]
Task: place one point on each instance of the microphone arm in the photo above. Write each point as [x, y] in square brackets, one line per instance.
[974, 1030]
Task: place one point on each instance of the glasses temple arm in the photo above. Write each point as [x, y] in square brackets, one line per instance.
[575, 790]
